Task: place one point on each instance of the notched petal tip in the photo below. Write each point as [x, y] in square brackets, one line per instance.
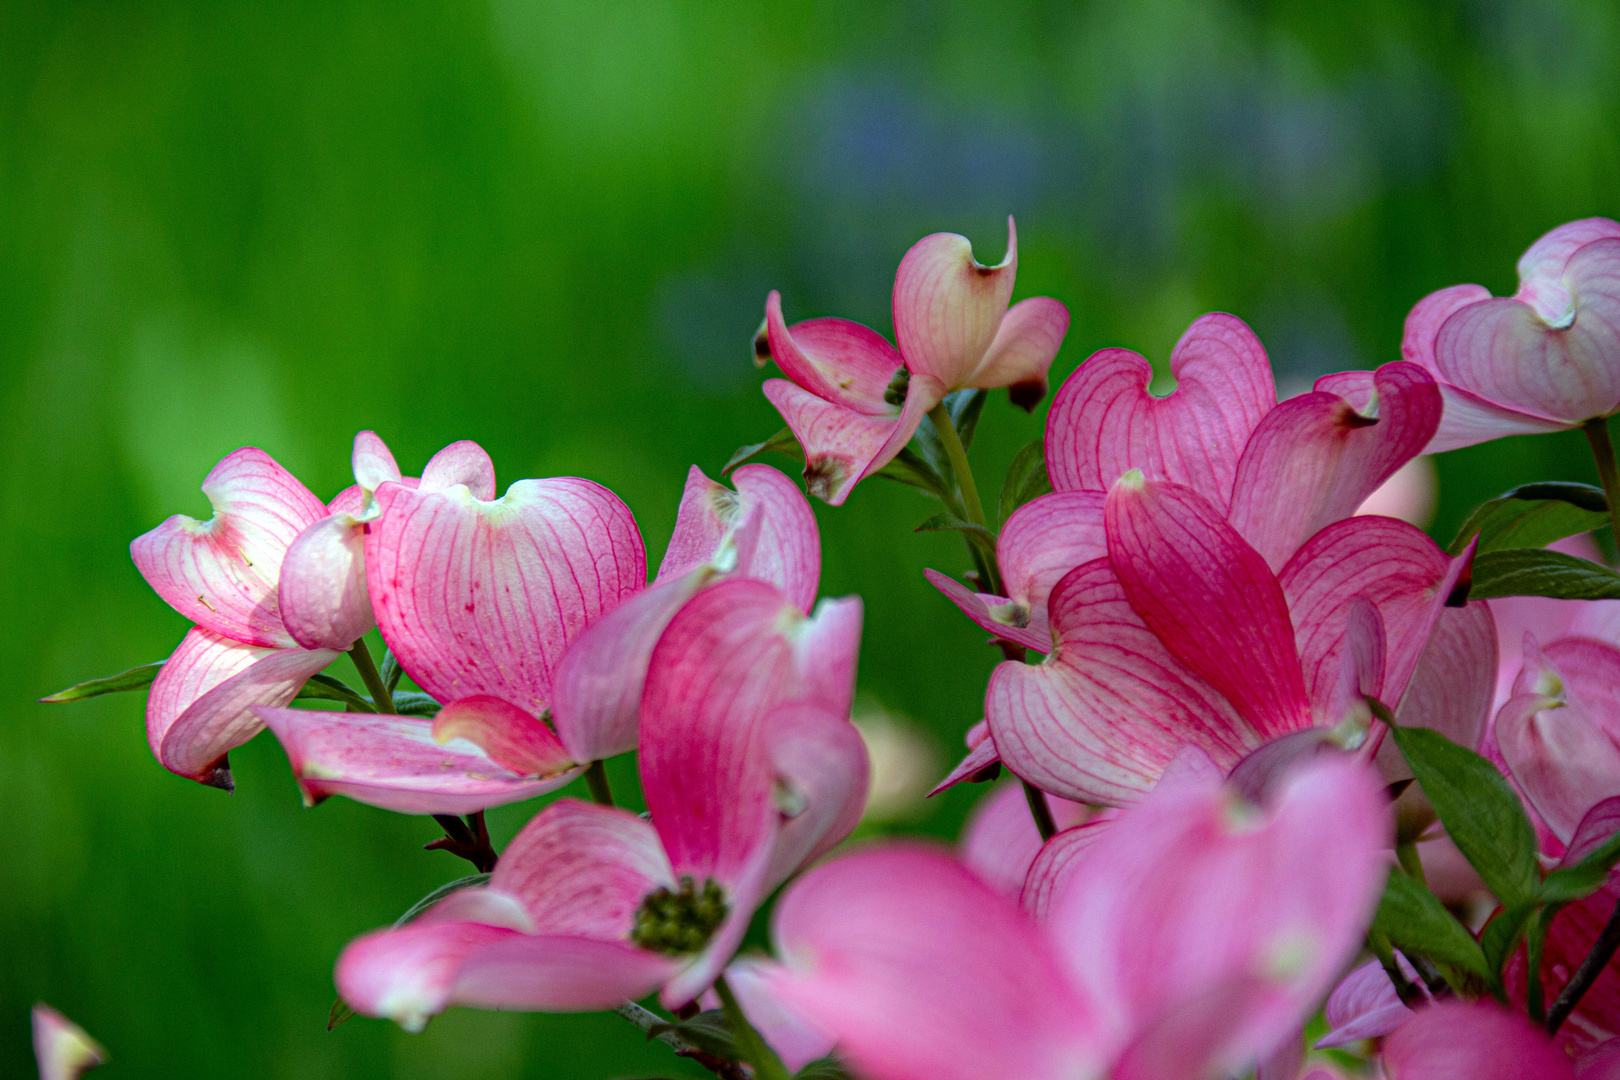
[762, 336]
[218, 775]
[1027, 394]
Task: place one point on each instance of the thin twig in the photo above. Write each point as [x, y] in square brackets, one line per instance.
[371, 676]
[596, 779]
[1603, 950]
[467, 839]
[657, 1027]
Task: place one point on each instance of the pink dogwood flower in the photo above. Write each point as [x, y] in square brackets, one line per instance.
[1197, 934]
[61, 1048]
[1481, 1041]
[529, 608]
[853, 400]
[1544, 359]
[750, 767]
[999, 841]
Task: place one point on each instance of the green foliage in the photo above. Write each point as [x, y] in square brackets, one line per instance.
[1571, 883]
[137, 678]
[827, 1068]
[323, 687]
[1533, 516]
[1537, 572]
[1415, 920]
[1026, 478]
[708, 1031]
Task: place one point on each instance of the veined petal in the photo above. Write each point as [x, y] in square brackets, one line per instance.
[840, 444]
[201, 703]
[480, 597]
[1550, 254]
[821, 783]
[980, 756]
[1104, 422]
[786, 548]
[948, 307]
[222, 573]
[1480, 1040]
[505, 732]
[583, 870]
[1057, 861]
[394, 762]
[923, 972]
[1318, 456]
[1023, 350]
[1209, 597]
[1453, 685]
[999, 841]
[1043, 540]
[1365, 1005]
[1110, 706]
[373, 463]
[839, 361]
[1428, 315]
[61, 1048]
[997, 614]
[323, 597]
[462, 462]
[1470, 419]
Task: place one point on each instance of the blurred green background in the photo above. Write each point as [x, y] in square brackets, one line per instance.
[550, 227]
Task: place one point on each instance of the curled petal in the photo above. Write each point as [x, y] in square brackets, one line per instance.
[323, 597]
[1451, 689]
[997, 614]
[394, 762]
[948, 307]
[840, 362]
[510, 736]
[1469, 419]
[841, 446]
[919, 969]
[1481, 1041]
[1545, 265]
[1057, 862]
[1023, 350]
[462, 462]
[821, 783]
[1365, 1005]
[1104, 422]
[480, 597]
[1424, 321]
[980, 756]
[201, 704]
[1209, 597]
[1043, 540]
[373, 462]
[1316, 457]
[222, 573]
[999, 841]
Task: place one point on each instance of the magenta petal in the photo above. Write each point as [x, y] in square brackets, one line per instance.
[1043, 540]
[948, 307]
[1056, 863]
[1452, 688]
[999, 841]
[323, 597]
[222, 573]
[997, 614]
[840, 445]
[1316, 457]
[980, 756]
[373, 463]
[1109, 708]
[1104, 422]
[395, 763]
[796, 1040]
[841, 362]
[821, 783]
[462, 462]
[1428, 315]
[583, 869]
[1209, 598]
[1481, 1041]
[1596, 826]
[61, 1048]
[201, 704]
[510, 736]
[920, 970]
[1025, 345]
[482, 597]
[1365, 1006]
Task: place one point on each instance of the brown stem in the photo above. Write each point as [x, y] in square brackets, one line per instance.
[467, 839]
[1603, 950]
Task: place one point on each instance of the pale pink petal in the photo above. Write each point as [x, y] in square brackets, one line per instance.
[1480, 1041]
[980, 756]
[1042, 541]
[1057, 861]
[1209, 597]
[841, 446]
[1260, 775]
[583, 870]
[394, 762]
[795, 1039]
[841, 362]
[825, 649]
[821, 783]
[201, 704]
[1316, 457]
[1023, 350]
[482, 597]
[1470, 419]
[407, 975]
[1543, 266]
[1104, 422]
[1109, 708]
[1365, 1005]
[465, 463]
[1411, 494]
[596, 697]
[1451, 689]
[323, 597]
[61, 1048]
[997, 614]
[1597, 825]
[786, 548]
[1195, 1037]
[510, 736]
[1428, 315]
[222, 573]
[999, 841]
[923, 972]
[948, 307]
[373, 463]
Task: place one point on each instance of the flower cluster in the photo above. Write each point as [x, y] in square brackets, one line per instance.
[1258, 732]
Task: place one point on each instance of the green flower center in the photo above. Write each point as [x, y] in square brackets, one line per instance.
[895, 394]
[681, 921]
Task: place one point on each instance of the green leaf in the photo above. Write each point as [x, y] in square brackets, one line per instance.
[707, 1031]
[1415, 920]
[1026, 479]
[982, 539]
[413, 703]
[827, 1068]
[910, 468]
[1536, 572]
[1479, 810]
[326, 688]
[1500, 936]
[438, 894]
[133, 679]
[1533, 516]
[782, 442]
[1584, 878]
[391, 671]
[340, 1014]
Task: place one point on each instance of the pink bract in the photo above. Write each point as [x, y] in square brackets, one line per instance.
[1480, 1041]
[61, 1048]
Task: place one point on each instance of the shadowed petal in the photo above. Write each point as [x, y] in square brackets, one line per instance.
[840, 445]
[222, 573]
[1104, 421]
[1365, 1005]
[796, 1040]
[821, 783]
[996, 614]
[1452, 688]
[482, 597]
[61, 1048]
[1056, 862]
[1481, 1041]
[323, 597]
[980, 756]
[1023, 350]
[510, 736]
[948, 307]
[999, 840]
[840, 362]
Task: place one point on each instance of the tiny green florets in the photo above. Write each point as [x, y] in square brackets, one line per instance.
[895, 394]
[679, 922]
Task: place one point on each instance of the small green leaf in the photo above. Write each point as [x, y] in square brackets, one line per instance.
[982, 539]
[391, 671]
[1026, 478]
[1415, 920]
[1479, 810]
[340, 1014]
[1537, 572]
[438, 894]
[707, 1031]
[827, 1068]
[910, 468]
[1584, 878]
[1533, 516]
[965, 407]
[782, 442]
[135, 678]
[326, 688]
[1500, 936]
[414, 703]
